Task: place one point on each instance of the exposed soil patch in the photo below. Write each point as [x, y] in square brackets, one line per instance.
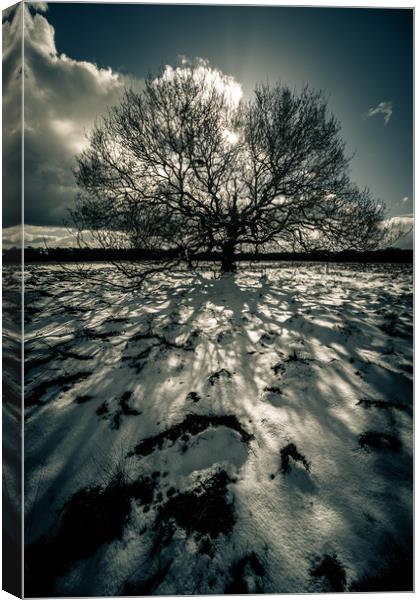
[137, 362]
[189, 345]
[36, 362]
[278, 368]
[246, 576]
[64, 383]
[206, 509]
[206, 547]
[390, 324]
[150, 585]
[332, 571]
[75, 355]
[117, 320]
[218, 374]
[191, 425]
[92, 517]
[366, 403]
[83, 399]
[124, 409]
[396, 576]
[379, 441]
[274, 389]
[267, 339]
[288, 452]
[295, 358]
[102, 409]
[75, 310]
[193, 397]
[89, 334]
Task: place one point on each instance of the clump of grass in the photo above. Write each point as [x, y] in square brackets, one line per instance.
[379, 441]
[288, 452]
[332, 571]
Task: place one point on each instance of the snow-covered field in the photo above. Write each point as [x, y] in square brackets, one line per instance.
[247, 433]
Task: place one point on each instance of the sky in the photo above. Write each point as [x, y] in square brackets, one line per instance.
[80, 56]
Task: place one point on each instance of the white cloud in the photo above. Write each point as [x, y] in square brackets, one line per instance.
[39, 6]
[212, 78]
[12, 113]
[63, 97]
[401, 226]
[383, 108]
[39, 236]
[63, 237]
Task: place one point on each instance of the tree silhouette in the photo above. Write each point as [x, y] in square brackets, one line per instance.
[185, 166]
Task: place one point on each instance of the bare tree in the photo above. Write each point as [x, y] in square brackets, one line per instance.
[184, 166]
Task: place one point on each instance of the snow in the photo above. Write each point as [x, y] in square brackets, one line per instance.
[290, 350]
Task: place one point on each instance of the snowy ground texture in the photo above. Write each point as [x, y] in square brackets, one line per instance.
[247, 433]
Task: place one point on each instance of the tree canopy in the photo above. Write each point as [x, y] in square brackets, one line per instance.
[186, 165]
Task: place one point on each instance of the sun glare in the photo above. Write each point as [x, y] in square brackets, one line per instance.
[231, 137]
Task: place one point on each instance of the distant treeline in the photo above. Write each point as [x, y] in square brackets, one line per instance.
[33, 255]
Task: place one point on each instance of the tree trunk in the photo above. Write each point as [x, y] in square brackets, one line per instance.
[228, 257]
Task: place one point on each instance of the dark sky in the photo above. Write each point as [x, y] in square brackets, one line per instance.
[360, 57]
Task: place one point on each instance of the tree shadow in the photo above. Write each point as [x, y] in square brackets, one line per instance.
[290, 352]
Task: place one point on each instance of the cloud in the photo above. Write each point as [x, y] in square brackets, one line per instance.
[12, 114]
[401, 226]
[39, 236]
[383, 108]
[62, 237]
[63, 97]
[212, 78]
[39, 6]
